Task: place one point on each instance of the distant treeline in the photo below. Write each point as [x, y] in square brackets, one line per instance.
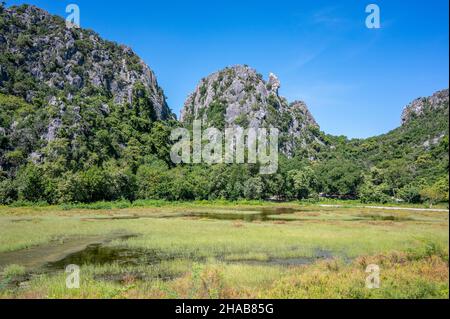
[98, 156]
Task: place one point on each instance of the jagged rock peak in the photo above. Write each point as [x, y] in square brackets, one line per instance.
[274, 83]
[303, 109]
[418, 107]
[241, 89]
[239, 96]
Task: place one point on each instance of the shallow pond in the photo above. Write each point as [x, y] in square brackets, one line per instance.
[99, 254]
[38, 256]
[266, 214]
[269, 214]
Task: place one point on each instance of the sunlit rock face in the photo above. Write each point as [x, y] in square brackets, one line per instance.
[62, 88]
[64, 62]
[239, 96]
[418, 107]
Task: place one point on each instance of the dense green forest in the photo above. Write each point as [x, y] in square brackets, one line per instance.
[96, 166]
[89, 148]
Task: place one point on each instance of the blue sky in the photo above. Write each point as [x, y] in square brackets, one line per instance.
[355, 80]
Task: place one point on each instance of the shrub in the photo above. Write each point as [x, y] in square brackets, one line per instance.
[370, 193]
[12, 271]
[410, 194]
[152, 180]
[254, 188]
[92, 185]
[242, 121]
[438, 192]
[216, 114]
[31, 183]
[8, 192]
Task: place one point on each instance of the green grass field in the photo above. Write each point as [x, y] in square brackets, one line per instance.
[222, 250]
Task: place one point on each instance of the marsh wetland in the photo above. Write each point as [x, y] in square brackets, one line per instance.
[223, 251]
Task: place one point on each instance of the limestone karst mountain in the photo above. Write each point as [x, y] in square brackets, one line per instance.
[69, 97]
[43, 59]
[81, 113]
[239, 96]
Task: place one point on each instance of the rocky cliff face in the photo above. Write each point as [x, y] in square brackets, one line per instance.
[42, 58]
[69, 99]
[239, 96]
[438, 101]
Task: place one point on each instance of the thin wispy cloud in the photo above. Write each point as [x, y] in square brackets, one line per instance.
[306, 58]
[327, 17]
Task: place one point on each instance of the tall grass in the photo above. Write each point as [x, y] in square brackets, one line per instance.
[203, 258]
[122, 204]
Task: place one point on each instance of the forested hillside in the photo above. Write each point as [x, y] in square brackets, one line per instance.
[71, 102]
[83, 120]
[408, 163]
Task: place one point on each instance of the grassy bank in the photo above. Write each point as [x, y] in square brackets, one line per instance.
[207, 257]
[212, 203]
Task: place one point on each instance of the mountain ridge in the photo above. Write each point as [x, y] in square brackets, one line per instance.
[69, 134]
[43, 54]
[420, 105]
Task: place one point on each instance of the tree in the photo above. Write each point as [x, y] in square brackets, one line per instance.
[159, 140]
[143, 111]
[31, 183]
[275, 186]
[179, 186]
[8, 192]
[123, 181]
[372, 193]
[410, 193]
[339, 177]
[396, 174]
[92, 185]
[254, 188]
[438, 192]
[302, 182]
[198, 177]
[152, 180]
